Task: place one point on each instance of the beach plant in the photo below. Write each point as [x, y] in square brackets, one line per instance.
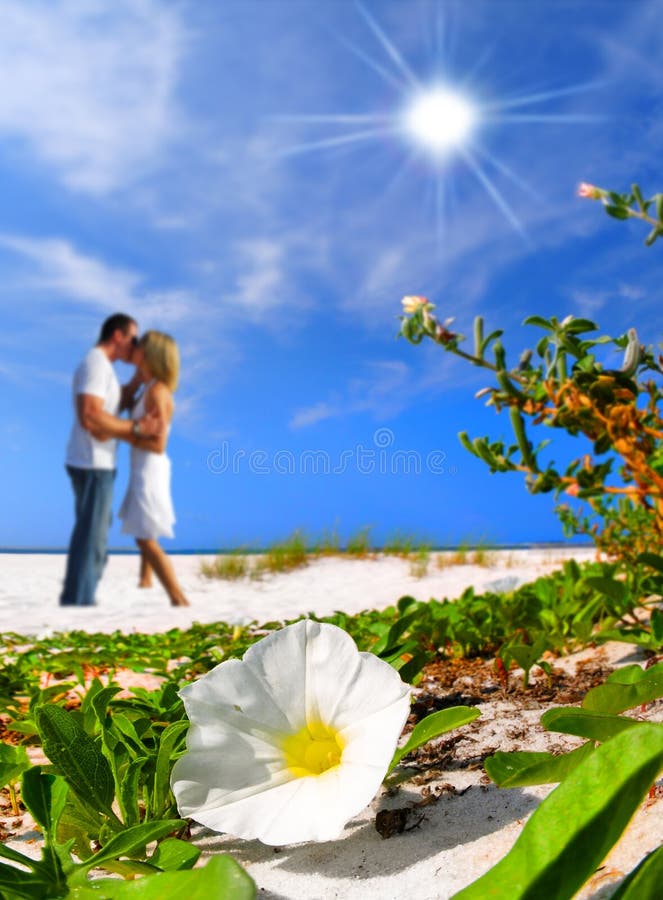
[283, 556]
[572, 831]
[563, 384]
[58, 873]
[358, 543]
[602, 783]
[307, 728]
[229, 566]
[401, 544]
[568, 607]
[14, 760]
[419, 562]
[629, 205]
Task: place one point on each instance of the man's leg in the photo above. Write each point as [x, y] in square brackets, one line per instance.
[93, 492]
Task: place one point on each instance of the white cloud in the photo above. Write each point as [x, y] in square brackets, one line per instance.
[261, 282]
[88, 86]
[311, 415]
[590, 301]
[382, 392]
[57, 267]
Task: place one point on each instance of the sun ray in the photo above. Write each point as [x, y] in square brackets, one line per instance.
[542, 96]
[506, 170]
[338, 141]
[336, 118]
[440, 198]
[492, 190]
[551, 118]
[388, 76]
[481, 61]
[390, 49]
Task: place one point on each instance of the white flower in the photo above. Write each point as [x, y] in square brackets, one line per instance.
[292, 741]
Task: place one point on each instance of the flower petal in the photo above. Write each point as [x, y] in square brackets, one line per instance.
[236, 776]
[232, 688]
[285, 812]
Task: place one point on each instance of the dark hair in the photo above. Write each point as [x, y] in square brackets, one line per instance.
[112, 323]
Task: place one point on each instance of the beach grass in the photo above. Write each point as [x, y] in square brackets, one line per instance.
[467, 554]
[298, 550]
[229, 566]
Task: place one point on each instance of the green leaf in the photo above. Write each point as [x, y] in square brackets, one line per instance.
[81, 824]
[17, 884]
[221, 879]
[617, 212]
[653, 560]
[540, 321]
[169, 739]
[653, 235]
[433, 726]
[644, 882]
[658, 200]
[128, 797]
[412, 668]
[13, 762]
[615, 590]
[132, 841]
[576, 326]
[627, 675]
[571, 832]
[519, 769]
[21, 858]
[173, 854]
[657, 625]
[595, 726]
[615, 698]
[637, 193]
[77, 757]
[101, 700]
[45, 797]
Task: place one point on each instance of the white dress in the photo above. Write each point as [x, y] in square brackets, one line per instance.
[147, 509]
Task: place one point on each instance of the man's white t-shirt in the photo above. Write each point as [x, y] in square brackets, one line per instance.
[95, 376]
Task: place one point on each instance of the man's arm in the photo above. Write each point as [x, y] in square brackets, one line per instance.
[102, 425]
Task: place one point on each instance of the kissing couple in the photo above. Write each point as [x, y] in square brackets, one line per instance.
[147, 509]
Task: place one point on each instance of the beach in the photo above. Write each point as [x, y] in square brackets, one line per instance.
[456, 823]
[31, 583]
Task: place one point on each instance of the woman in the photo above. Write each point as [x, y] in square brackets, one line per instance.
[147, 508]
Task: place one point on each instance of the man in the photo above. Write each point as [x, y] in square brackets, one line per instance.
[91, 450]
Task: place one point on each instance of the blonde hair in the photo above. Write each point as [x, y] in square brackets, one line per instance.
[162, 357]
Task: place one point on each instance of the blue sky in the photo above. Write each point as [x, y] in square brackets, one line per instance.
[176, 160]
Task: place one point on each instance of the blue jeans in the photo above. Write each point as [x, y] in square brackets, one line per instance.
[93, 495]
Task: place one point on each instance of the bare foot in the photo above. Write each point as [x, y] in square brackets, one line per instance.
[145, 583]
[179, 601]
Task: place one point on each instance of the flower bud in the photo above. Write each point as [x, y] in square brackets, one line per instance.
[412, 304]
[590, 191]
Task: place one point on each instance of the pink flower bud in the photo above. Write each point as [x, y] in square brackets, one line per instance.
[590, 191]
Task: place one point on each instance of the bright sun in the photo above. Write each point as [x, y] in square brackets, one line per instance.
[436, 118]
[439, 119]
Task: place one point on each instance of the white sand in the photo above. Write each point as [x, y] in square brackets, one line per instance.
[462, 834]
[30, 586]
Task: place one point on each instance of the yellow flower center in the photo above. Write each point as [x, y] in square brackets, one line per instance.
[314, 749]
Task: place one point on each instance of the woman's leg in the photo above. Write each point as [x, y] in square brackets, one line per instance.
[145, 571]
[163, 569]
